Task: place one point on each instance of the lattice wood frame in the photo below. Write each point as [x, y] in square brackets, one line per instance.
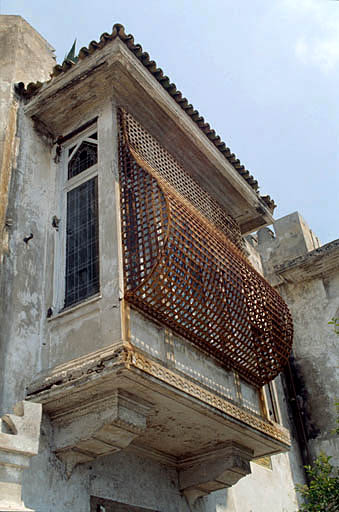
[182, 269]
[166, 167]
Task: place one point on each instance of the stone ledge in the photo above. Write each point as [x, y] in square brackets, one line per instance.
[66, 383]
[119, 398]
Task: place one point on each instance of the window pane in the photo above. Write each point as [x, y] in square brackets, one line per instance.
[82, 247]
[85, 157]
[272, 409]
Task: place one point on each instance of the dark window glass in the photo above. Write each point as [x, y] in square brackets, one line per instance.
[82, 247]
[84, 157]
[104, 505]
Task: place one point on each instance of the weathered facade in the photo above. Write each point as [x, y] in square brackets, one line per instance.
[131, 310]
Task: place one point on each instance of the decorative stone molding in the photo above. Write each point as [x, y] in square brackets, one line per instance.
[19, 440]
[215, 470]
[110, 425]
[157, 370]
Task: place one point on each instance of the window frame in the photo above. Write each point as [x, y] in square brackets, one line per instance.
[107, 505]
[65, 185]
[270, 391]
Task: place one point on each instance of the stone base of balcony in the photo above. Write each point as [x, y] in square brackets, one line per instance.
[120, 398]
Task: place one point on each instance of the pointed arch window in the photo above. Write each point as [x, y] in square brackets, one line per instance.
[82, 156]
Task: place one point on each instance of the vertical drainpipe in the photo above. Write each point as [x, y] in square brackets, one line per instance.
[298, 415]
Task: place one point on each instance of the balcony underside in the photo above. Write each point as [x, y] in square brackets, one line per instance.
[121, 391]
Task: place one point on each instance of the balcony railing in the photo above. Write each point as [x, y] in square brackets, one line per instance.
[184, 266]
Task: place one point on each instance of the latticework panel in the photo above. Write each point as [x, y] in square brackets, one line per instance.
[168, 168]
[184, 272]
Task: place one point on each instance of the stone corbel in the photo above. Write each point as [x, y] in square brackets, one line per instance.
[112, 423]
[198, 476]
[19, 440]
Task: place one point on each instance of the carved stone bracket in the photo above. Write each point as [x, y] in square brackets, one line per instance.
[215, 470]
[112, 423]
[19, 440]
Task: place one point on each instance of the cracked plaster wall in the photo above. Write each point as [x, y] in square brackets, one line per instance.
[25, 56]
[22, 275]
[313, 303]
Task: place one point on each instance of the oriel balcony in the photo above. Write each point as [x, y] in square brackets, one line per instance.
[202, 332]
[184, 264]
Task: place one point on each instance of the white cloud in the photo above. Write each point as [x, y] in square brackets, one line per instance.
[318, 25]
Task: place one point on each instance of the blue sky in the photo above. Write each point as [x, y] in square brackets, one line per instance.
[264, 74]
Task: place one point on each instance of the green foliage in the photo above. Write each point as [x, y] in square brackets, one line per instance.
[336, 430]
[335, 322]
[322, 493]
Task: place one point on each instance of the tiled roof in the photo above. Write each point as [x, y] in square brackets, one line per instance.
[136, 49]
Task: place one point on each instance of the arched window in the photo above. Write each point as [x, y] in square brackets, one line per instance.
[82, 158]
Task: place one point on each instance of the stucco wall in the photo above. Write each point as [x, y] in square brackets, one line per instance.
[25, 57]
[313, 303]
[22, 274]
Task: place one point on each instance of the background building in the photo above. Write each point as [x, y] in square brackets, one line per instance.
[306, 275]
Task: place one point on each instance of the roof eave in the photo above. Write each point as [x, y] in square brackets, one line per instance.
[319, 263]
[107, 68]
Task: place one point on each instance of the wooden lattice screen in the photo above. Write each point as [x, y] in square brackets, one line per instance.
[184, 265]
